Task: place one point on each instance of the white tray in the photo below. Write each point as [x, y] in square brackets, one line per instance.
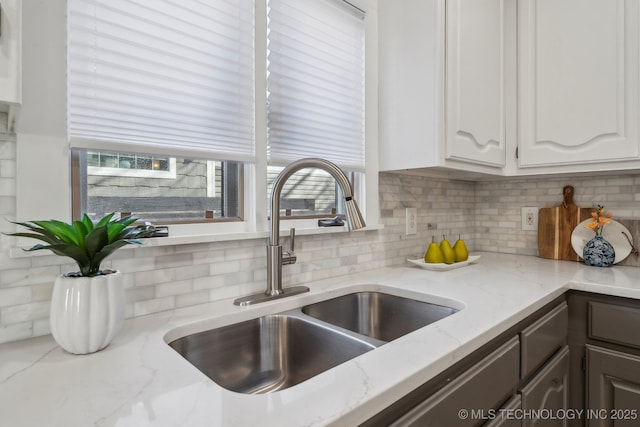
[442, 266]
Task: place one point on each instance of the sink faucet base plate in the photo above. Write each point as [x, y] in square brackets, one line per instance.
[263, 297]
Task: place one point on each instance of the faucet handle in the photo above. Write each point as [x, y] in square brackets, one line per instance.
[289, 257]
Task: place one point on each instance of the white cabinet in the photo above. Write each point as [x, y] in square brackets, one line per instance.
[475, 81]
[578, 91]
[10, 60]
[443, 83]
[463, 83]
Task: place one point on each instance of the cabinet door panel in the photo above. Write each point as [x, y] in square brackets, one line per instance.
[548, 390]
[469, 391]
[578, 81]
[475, 80]
[10, 52]
[542, 339]
[507, 415]
[613, 387]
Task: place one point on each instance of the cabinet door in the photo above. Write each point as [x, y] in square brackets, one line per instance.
[475, 81]
[577, 81]
[470, 392]
[613, 388]
[507, 416]
[10, 51]
[549, 391]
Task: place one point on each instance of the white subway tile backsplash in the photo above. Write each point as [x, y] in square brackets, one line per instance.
[142, 308]
[41, 327]
[209, 282]
[173, 288]
[192, 298]
[192, 272]
[28, 276]
[146, 278]
[15, 296]
[24, 312]
[16, 331]
[485, 213]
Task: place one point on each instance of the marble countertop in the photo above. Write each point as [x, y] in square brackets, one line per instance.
[140, 381]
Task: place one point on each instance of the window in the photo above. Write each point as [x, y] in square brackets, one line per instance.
[158, 89]
[173, 80]
[187, 190]
[315, 93]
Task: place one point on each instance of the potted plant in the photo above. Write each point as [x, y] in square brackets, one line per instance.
[87, 306]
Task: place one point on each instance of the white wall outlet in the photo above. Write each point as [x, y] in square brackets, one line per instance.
[530, 218]
[412, 221]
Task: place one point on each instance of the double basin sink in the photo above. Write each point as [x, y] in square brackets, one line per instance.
[277, 351]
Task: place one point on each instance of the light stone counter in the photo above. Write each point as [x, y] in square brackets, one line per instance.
[140, 381]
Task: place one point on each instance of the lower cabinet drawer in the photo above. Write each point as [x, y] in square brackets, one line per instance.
[543, 338]
[614, 323]
[479, 389]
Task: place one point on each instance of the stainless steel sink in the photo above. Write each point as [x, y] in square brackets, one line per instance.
[269, 353]
[278, 351]
[377, 315]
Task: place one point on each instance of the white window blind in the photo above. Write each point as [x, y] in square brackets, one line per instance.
[169, 77]
[315, 82]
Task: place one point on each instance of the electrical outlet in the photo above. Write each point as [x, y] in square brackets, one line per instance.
[529, 218]
[412, 220]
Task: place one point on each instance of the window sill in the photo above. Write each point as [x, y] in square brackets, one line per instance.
[284, 232]
[18, 252]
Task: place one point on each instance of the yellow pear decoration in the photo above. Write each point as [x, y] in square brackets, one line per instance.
[460, 250]
[434, 254]
[447, 251]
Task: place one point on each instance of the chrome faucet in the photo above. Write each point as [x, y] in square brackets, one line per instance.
[276, 258]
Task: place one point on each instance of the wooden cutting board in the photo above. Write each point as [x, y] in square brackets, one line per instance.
[555, 226]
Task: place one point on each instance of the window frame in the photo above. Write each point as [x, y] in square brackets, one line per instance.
[42, 142]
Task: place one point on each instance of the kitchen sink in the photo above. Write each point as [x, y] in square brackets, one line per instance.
[277, 351]
[269, 353]
[377, 315]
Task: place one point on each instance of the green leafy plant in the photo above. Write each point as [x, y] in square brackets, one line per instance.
[88, 244]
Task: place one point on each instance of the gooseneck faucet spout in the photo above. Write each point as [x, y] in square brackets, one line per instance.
[275, 256]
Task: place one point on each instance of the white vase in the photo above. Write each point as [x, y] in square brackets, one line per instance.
[87, 312]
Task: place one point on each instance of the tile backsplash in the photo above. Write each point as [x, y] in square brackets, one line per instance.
[486, 214]
[499, 202]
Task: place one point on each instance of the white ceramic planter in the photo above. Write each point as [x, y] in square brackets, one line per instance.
[87, 312]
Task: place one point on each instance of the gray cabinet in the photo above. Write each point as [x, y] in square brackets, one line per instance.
[548, 391]
[604, 338]
[613, 387]
[526, 367]
[507, 416]
[470, 392]
[543, 338]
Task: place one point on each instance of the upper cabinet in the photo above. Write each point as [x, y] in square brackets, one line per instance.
[578, 88]
[475, 76]
[512, 87]
[10, 57]
[443, 84]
